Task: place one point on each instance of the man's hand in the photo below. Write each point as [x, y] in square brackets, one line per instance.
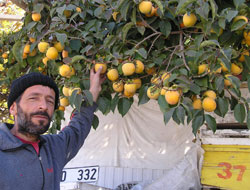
[96, 80]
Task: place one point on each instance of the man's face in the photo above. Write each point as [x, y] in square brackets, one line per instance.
[34, 111]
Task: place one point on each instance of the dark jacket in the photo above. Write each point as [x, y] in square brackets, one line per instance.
[22, 168]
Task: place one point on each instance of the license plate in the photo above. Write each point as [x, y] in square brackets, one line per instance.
[86, 174]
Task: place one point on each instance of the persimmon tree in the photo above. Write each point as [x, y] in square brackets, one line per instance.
[191, 56]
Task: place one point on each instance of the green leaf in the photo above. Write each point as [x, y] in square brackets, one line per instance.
[197, 122]
[223, 106]
[61, 37]
[168, 115]
[248, 119]
[95, 122]
[219, 83]
[75, 45]
[211, 122]
[72, 98]
[237, 25]
[78, 101]
[164, 107]
[181, 114]
[209, 43]
[197, 41]
[175, 117]
[109, 41]
[114, 102]
[124, 9]
[247, 61]
[203, 11]
[239, 113]
[77, 58]
[143, 98]
[165, 28]
[125, 30]
[38, 7]
[195, 88]
[182, 6]
[124, 105]
[238, 3]
[159, 4]
[88, 96]
[103, 105]
[18, 51]
[214, 8]
[231, 14]
[142, 52]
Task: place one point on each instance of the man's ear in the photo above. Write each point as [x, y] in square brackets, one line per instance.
[13, 109]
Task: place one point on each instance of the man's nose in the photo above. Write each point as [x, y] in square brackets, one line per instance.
[43, 104]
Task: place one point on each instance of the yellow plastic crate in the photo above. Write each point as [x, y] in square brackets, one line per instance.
[226, 166]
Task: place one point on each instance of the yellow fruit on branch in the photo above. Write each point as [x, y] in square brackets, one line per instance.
[36, 17]
[74, 89]
[223, 67]
[130, 87]
[103, 65]
[61, 108]
[145, 7]
[118, 86]
[59, 47]
[242, 55]
[4, 55]
[189, 20]
[156, 80]
[43, 46]
[64, 102]
[165, 76]
[209, 104]
[128, 69]
[52, 53]
[241, 17]
[112, 74]
[78, 9]
[246, 35]
[236, 69]
[197, 104]
[65, 91]
[65, 53]
[25, 55]
[32, 40]
[210, 93]
[26, 49]
[151, 70]
[227, 82]
[45, 60]
[153, 92]
[163, 91]
[202, 68]
[152, 13]
[64, 70]
[138, 82]
[67, 13]
[172, 97]
[139, 67]
[33, 53]
[220, 31]
[114, 15]
[128, 94]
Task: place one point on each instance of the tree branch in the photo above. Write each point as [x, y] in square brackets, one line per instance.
[182, 51]
[20, 4]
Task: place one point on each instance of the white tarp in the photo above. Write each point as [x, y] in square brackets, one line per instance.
[138, 140]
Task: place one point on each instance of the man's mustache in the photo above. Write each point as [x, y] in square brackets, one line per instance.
[41, 113]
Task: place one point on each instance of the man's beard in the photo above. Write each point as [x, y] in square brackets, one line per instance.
[26, 126]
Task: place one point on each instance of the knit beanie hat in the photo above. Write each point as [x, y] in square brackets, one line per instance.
[19, 85]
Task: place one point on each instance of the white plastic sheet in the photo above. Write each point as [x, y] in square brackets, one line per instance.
[138, 140]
